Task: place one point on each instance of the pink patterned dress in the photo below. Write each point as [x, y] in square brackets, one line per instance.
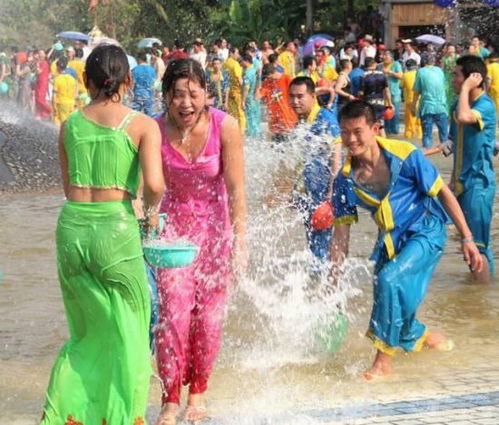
[192, 299]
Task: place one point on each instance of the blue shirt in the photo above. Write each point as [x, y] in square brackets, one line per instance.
[413, 187]
[356, 80]
[430, 84]
[474, 146]
[143, 79]
[394, 83]
[373, 86]
[321, 136]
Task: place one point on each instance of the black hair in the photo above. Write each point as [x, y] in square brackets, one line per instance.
[470, 64]
[233, 49]
[344, 63]
[247, 57]
[307, 81]
[178, 44]
[357, 109]
[62, 63]
[142, 57]
[411, 63]
[182, 68]
[272, 58]
[78, 52]
[369, 61]
[107, 68]
[308, 61]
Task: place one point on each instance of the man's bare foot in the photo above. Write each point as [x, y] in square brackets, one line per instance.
[168, 414]
[382, 366]
[196, 408]
[438, 341]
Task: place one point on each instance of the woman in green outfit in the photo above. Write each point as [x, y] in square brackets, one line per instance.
[101, 376]
[448, 64]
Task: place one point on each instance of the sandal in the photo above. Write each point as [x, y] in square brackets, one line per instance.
[195, 413]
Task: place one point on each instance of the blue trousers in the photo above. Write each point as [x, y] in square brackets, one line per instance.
[477, 203]
[441, 121]
[316, 176]
[142, 104]
[393, 126]
[400, 286]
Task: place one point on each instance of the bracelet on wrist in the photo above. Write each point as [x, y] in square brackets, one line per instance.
[467, 240]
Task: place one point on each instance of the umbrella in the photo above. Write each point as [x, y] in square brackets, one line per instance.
[310, 45]
[430, 38]
[105, 41]
[148, 42]
[327, 36]
[73, 35]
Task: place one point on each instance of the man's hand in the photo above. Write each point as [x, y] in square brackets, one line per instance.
[472, 256]
[473, 81]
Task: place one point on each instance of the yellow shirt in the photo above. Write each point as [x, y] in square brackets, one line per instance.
[329, 73]
[64, 89]
[235, 72]
[314, 75]
[493, 75]
[78, 66]
[288, 62]
[407, 83]
[53, 69]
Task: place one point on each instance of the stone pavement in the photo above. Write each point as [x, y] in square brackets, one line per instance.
[463, 398]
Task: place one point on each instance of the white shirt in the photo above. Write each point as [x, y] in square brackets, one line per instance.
[200, 57]
[367, 52]
[413, 55]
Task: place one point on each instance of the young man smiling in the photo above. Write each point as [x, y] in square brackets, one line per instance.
[409, 202]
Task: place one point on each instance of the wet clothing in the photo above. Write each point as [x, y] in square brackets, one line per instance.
[287, 60]
[235, 106]
[473, 172]
[64, 97]
[79, 67]
[393, 126]
[252, 107]
[42, 107]
[373, 84]
[102, 373]
[433, 109]
[91, 147]
[412, 123]
[356, 80]
[493, 75]
[217, 87]
[275, 93]
[192, 299]
[144, 77]
[449, 64]
[411, 224]
[322, 135]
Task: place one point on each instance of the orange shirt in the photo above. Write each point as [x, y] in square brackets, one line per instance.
[275, 93]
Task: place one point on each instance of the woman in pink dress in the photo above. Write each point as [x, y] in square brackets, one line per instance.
[205, 203]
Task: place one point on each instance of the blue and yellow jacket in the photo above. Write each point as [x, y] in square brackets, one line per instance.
[414, 185]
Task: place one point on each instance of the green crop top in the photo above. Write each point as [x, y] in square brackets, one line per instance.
[101, 157]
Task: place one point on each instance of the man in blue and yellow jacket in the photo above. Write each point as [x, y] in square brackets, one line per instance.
[409, 202]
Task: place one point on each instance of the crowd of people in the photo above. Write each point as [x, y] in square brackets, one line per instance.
[176, 120]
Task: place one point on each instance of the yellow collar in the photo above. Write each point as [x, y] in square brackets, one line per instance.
[312, 116]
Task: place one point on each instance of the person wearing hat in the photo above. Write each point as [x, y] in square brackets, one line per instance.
[198, 52]
[369, 49]
[409, 52]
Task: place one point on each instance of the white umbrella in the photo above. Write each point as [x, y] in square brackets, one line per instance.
[430, 38]
[148, 42]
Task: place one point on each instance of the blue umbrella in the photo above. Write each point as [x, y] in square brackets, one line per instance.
[73, 35]
[311, 44]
